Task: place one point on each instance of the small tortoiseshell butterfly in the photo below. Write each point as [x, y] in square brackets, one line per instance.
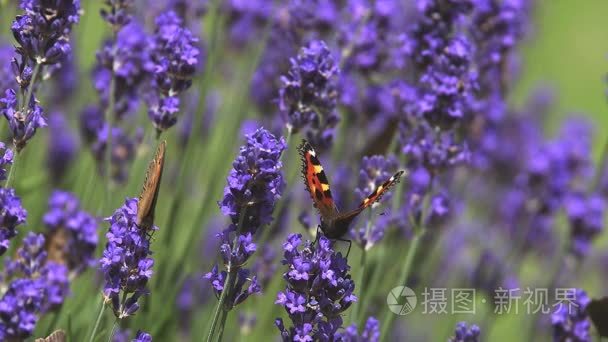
[149, 194]
[333, 223]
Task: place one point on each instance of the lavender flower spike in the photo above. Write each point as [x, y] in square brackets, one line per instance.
[74, 228]
[570, 321]
[319, 289]
[23, 123]
[12, 214]
[308, 96]
[175, 57]
[126, 263]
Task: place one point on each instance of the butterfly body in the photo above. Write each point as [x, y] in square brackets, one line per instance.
[334, 224]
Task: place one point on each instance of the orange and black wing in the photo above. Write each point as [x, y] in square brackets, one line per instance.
[374, 197]
[316, 182]
[149, 194]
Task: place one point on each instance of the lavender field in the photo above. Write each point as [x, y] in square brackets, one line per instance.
[340, 170]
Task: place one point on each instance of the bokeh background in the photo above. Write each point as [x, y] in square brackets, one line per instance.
[566, 51]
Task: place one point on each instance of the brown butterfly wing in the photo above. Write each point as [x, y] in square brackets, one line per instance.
[149, 194]
[598, 312]
[55, 336]
[316, 182]
[340, 224]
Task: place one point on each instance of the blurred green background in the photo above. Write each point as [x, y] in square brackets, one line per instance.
[567, 51]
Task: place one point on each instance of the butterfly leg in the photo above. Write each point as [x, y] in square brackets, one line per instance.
[350, 243]
[317, 235]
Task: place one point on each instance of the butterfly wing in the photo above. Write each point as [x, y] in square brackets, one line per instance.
[598, 312]
[55, 336]
[316, 182]
[149, 194]
[342, 222]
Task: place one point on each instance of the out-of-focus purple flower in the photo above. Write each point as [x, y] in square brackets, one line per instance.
[586, 216]
[7, 79]
[497, 27]
[464, 333]
[247, 322]
[117, 14]
[246, 19]
[319, 289]
[23, 125]
[570, 320]
[72, 231]
[264, 266]
[175, 57]
[126, 262]
[371, 332]
[121, 335]
[374, 171]
[42, 32]
[35, 286]
[142, 336]
[62, 147]
[448, 85]
[5, 160]
[491, 272]
[432, 149]
[12, 215]
[128, 60]
[308, 96]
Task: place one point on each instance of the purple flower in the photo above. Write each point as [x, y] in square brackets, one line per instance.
[7, 79]
[128, 60]
[62, 147]
[5, 160]
[253, 186]
[246, 19]
[308, 96]
[374, 171]
[570, 320]
[586, 216]
[175, 57]
[497, 27]
[117, 14]
[319, 289]
[35, 286]
[371, 332]
[255, 182]
[23, 123]
[462, 333]
[43, 31]
[126, 262]
[12, 215]
[73, 229]
[142, 336]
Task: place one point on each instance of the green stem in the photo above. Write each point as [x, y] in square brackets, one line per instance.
[601, 167]
[407, 269]
[98, 320]
[357, 309]
[220, 306]
[30, 89]
[108, 156]
[11, 172]
[114, 326]
[220, 335]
